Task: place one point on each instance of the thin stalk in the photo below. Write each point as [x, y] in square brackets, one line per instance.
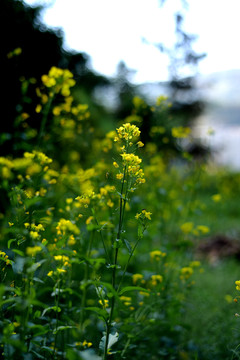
[125, 347]
[103, 242]
[57, 304]
[86, 272]
[44, 120]
[121, 214]
[126, 266]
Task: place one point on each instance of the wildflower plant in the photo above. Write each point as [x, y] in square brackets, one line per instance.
[72, 222]
[130, 175]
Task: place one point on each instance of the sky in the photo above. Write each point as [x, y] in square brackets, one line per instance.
[110, 31]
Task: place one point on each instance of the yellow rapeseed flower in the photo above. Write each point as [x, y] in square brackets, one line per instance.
[156, 279]
[187, 227]
[32, 251]
[137, 277]
[119, 176]
[186, 272]
[237, 283]
[181, 132]
[216, 198]
[157, 255]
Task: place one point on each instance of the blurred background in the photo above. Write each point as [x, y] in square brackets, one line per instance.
[116, 50]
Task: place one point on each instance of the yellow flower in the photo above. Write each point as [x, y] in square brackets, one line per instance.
[126, 298]
[140, 144]
[85, 343]
[110, 203]
[34, 234]
[203, 229]
[127, 132]
[66, 225]
[156, 279]
[181, 132]
[228, 298]
[89, 220]
[237, 283]
[144, 215]
[119, 176]
[71, 240]
[61, 270]
[137, 277]
[157, 254]
[104, 303]
[216, 197]
[4, 257]
[31, 251]
[195, 263]
[38, 108]
[187, 227]
[186, 272]
[147, 214]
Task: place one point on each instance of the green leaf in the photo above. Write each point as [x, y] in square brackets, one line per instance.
[38, 329]
[89, 355]
[18, 252]
[34, 267]
[131, 288]
[110, 289]
[38, 280]
[100, 292]
[37, 355]
[113, 338]
[10, 241]
[47, 348]
[61, 328]
[128, 246]
[55, 308]
[101, 312]
[18, 265]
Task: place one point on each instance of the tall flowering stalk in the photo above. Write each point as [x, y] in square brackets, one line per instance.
[130, 176]
[56, 81]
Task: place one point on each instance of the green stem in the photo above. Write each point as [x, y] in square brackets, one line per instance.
[44, 120]
[121, 215]
[103, 242]
[86, 272]
[125, 347]
[57, 305]
[126, 266]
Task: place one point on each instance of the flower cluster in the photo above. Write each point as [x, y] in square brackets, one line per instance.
[188, 228]
[59, 79]
[4, 257]
[186, 272]
[157, 255]
[127, 132]
[130, 170]
[156, 279]
[144, 215]
[33, 250]
[132, 163]
[66, 225]
[181, 132]
[237, 283]
[136, 278]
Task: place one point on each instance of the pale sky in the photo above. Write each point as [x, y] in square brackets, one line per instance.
[112, 30]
